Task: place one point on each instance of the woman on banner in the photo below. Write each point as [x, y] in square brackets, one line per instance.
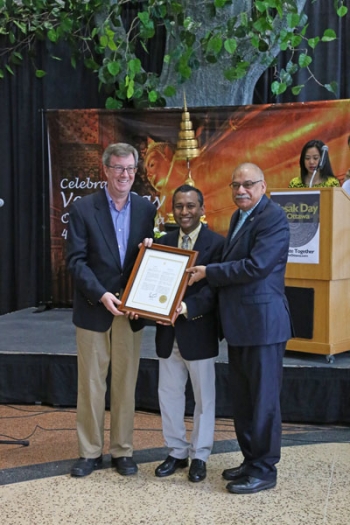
[310, 157]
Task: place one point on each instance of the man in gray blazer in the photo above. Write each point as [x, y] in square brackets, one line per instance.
[105, 229]
[189, 348]
[256, 323]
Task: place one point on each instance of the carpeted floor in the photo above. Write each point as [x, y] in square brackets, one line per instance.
[36, 487]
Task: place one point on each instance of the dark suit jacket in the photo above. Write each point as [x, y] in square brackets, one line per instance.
[250, 279]
[196, 338]
[93, 255]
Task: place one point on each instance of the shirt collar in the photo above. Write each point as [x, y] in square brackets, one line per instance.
[111, 203]
[193, 234]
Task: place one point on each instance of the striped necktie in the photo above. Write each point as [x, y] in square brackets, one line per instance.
[242, 217]
[185, 242]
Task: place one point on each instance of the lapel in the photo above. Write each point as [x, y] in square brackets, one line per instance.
[202, 243]
[105, 223]
[246, 226]
[136, 217]
[173, 238]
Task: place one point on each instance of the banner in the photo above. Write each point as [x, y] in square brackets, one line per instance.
[303, 214]
[271, 136]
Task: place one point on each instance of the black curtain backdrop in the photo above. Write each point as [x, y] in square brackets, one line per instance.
[24, 179]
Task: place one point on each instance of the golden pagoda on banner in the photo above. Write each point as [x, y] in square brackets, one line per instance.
[186, 149]
[187, 144]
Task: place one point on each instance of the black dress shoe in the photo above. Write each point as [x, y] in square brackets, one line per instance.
[169, 466]
[198, 470]
[84, 466]
[249, 485]
[233, 473]
[125, 466]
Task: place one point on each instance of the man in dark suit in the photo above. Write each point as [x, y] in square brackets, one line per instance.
[256, 323]
[105, 229]
[189, 348]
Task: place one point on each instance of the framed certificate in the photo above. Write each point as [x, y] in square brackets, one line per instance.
[158, 282]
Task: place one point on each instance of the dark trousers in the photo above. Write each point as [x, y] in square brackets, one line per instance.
[256, 381]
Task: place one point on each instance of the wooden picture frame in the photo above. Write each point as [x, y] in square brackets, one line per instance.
[158, 282]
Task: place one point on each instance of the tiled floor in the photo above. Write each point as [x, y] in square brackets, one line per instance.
[36, 488]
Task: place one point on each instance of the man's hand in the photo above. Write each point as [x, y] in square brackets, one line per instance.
[147, 242]
[196, 274]
[111, 303]
[178, 311]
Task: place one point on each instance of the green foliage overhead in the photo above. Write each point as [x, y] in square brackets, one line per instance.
[96, 34]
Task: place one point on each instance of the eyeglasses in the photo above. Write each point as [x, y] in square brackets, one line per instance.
[120, 169]
[247, 184]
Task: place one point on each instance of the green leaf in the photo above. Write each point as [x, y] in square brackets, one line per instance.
[234, 73]
[291, 67]
[9, 69]
[170, 91]
[262, 25]
[303, 31]
[52, 35]
[134, 65]
[91, 64]
[295, 40]
[138, 92]
[255, 41]
[130, 90]
[297, 89]
[167, 59]
[304, 60]
[152, 96]
[244, 19]
[332, 87]
[104, 41]
[278, 88]
[263, 46]
[21, 27]
[342, 11]
[1, 74]
[313, 42]
[214, 44]
[329, 35]
[185, 71]
[230, 45]
[112, 103]
[147, 25]
[293, 20]
[39, 73]
[113, 68]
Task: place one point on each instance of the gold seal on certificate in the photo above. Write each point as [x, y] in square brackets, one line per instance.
[158, 282]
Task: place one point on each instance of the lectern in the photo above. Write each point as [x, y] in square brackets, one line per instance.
[319, 292]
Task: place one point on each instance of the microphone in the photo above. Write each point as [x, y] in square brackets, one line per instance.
[323, 157]
[2, 202]
[321, 163]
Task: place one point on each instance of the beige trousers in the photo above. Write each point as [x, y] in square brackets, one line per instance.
[120, 348]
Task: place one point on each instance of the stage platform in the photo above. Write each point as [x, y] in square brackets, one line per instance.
[38, 365]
